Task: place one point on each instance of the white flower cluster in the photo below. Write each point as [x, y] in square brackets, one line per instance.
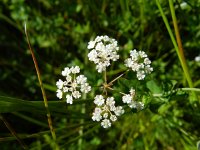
[73, 86]
[129, 99]
[103, 50]
[140, 63]
[106, 111]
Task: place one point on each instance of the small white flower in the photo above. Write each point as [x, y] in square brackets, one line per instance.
[75, 69]
[66, 71]
[139, 63]
[81, 79]
[96, 117]
[106, 110]
[147, 61]
[132, 92]
[140, 75]
[97, 114]
[197, 59]
[59, 94]
[76, 94]
[69, 99]
[113, 118]
[133, 104]
[106, 123]
[103, 51]
[73, 86]
[68, 79]
[98, 110]
[85, 88]
[140, 105]
[127, 98]
[99, 100]
[136, 105]
[66, 89]
[105, 115]
[59, 84]
[110, 101]
[119, 111]
[91, 44]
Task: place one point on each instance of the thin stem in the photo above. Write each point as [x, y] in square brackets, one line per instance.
[105, 77]
[110, 83]
[105, 85]
[80, 141]
[12, 131]
[43, 91]
[191, 89]
[179, 49]
[183, 89]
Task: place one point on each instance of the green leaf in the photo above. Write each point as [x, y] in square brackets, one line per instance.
[155, 104]
[153, 87]
[8, 104]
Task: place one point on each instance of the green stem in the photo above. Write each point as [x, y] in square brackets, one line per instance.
[183, 89]
[105, 77]
[191, 89]
[80, 141]
[43, 92]
[179, 47]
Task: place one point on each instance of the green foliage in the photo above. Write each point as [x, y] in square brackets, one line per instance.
[59, 32]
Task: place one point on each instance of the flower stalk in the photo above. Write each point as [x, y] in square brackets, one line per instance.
[178, 47]
[53, 134]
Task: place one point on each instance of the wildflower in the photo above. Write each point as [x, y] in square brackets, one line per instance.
[197, 58]
[106, 111]
[72, 86]
[103, 50]
[139, 63]
[129, 99]
[106, 123]
[136, 105]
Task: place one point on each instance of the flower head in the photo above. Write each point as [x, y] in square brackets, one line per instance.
[106, 111]
[73, 85]
[129, 99]
[139, 63]
[103, 50]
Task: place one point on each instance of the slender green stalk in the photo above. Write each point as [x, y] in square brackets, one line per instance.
[105, 82]
[183, 89]
[12, 131]
[178, 48]
[43, 92]
[105, 77]
[191, 89]
[80, 141]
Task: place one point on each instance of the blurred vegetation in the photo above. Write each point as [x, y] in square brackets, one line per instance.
[59, 32]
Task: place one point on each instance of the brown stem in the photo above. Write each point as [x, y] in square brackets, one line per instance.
[12, 131]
